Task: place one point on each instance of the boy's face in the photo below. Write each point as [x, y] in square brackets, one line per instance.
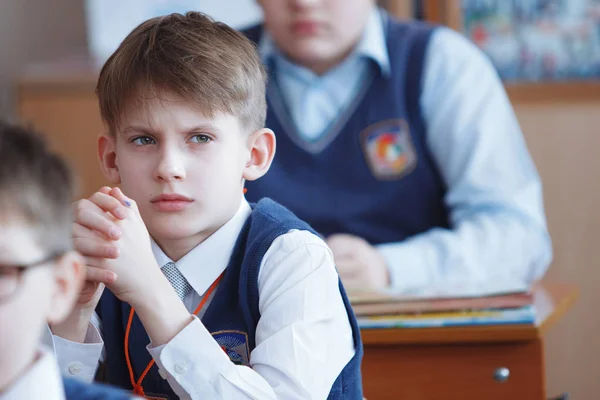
[316, 33]
[185, 171]
[31, 299]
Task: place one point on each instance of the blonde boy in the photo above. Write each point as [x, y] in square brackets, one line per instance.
[183, 99]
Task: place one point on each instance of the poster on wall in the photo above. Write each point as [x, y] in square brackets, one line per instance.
[537, 40]
[109, 21]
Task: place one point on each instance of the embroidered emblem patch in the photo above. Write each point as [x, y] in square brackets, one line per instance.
[235, 345]
[388, 149]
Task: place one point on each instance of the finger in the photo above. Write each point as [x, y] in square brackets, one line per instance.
[118, 194]
[80, 231]
[98, 222]
[98, 262]
[349, 268]
[105, 189]
[80, 205]
[341, 245]
[93, 247]
[90, 291]
[95, 274]
[109, 204]
[342, 253]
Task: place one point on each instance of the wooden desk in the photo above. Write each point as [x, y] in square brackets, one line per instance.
[460, 362]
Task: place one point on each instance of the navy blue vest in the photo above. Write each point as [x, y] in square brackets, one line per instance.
[231, 317]
[77, 390]
[371, 174]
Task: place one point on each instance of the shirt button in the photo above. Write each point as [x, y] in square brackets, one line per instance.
[75, 368]
[181, 367]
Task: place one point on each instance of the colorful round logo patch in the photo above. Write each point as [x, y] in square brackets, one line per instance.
[388, 149]
[235, 345]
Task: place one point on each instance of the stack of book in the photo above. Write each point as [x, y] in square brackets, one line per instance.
[456, 305]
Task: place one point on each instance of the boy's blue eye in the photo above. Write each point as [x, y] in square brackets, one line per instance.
[143, 141]
[200, 139]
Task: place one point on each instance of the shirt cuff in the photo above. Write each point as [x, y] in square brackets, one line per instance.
[193, 359]
[79, 360]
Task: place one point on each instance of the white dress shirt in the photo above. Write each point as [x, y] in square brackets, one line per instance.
[42, 380]
[494, 194]
[303, 338]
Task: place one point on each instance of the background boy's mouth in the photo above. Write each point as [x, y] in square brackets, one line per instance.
[306, 28]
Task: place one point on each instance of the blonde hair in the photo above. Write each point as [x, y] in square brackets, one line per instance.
[202, 61]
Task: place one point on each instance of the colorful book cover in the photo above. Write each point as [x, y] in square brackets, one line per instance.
[521, 315]
[432, 305]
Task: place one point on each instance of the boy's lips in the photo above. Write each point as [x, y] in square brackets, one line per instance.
[170, 202]
[306, 27]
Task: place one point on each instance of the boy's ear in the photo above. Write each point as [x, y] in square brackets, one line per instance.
[108, 158]
[69, 274]
[262, 150]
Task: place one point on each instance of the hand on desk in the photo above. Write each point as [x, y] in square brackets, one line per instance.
[359, 264]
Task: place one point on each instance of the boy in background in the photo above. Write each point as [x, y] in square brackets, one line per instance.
[397, 142]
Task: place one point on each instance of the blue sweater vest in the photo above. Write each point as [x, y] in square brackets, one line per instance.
[371, 174]
[77, 390]
[231, 317]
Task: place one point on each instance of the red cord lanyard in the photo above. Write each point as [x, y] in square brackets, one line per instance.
[137, 387]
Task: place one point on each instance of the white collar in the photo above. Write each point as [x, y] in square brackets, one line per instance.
[41, 381]
[205, 262]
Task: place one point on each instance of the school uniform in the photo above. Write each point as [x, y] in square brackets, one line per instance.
[412, 144]
[42, 380]
[279, 309]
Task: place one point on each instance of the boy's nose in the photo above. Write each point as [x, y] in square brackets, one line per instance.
[301, 4]
[170, 168]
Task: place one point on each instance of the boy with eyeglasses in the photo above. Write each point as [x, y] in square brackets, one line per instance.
[40, 274]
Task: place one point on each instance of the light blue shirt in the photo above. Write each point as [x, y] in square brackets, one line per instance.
[498, 225]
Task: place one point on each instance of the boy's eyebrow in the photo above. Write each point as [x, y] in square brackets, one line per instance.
[207, 127]
[135, 128]
[196, 128]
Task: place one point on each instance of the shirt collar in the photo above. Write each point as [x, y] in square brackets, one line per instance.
[372, 44]
[205, 262]
[41, 381]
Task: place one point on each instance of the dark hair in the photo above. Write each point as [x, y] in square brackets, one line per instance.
[36, 186]
[205, 62]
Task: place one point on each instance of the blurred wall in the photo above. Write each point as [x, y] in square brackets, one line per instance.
[109, 21]
[36, 30]
[564, 139]
[47, 30]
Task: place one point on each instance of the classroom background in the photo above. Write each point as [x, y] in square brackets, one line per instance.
[547, 51]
